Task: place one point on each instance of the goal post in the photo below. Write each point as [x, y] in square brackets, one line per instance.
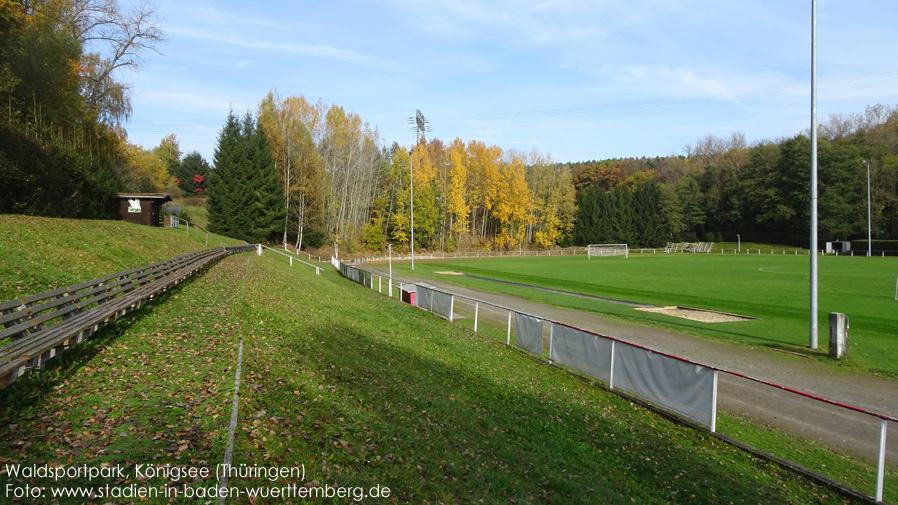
[607, 250]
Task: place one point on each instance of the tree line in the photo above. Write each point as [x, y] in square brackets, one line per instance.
[338, 183]
[64, 152]
[723, 187]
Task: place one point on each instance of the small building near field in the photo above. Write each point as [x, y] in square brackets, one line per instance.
[838, 246]
[141, 208]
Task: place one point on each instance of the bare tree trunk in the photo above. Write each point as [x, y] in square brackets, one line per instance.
[300, 218]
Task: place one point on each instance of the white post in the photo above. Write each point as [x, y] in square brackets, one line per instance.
[451, 306]
[508, 335]
[477, 309]
[880, 470]
[611, 368]
[714, 403]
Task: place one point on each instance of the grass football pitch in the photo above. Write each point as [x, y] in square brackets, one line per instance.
[773, 289]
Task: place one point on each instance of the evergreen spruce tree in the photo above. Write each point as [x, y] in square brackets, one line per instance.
[266, 212]
[244, 188]
[222, 178]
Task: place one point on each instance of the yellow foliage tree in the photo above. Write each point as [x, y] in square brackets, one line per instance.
[458, 207]
[512, 203]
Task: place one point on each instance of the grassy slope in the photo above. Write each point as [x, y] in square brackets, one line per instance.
[363, 391]
[771, 288]
[38, 254]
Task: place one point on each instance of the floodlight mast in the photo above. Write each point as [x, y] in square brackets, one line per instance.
[420, 123]
[813, 245]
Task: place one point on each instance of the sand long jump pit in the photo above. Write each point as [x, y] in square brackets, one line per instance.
[701, 315]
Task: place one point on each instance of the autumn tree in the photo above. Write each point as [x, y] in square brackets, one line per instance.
[290, 123]
[554, 209]
[512, 204]
[457, 206]
[352, 158]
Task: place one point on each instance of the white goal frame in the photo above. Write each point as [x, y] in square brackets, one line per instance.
[607, 250]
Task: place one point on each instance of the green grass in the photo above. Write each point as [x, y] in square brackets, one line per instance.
[772, 288]
[362, 391]
[365, 391]
[39, 254]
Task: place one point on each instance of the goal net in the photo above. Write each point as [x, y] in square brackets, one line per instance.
[607, 250]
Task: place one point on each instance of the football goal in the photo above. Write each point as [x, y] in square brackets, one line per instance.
[607, 250]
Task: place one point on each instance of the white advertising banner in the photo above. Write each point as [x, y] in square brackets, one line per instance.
[528, 333]
[423, 297]
[441, 304]
[683, 387]
[581, 351]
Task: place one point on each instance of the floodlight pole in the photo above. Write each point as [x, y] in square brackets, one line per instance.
[813, 245]
[420, 123]
[411, 191]
[869, 219]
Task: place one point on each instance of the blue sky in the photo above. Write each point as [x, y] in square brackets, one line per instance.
[577, 80]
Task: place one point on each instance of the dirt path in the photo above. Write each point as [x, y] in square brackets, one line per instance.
[854, 433]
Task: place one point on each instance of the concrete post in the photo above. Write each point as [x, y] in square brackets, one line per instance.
[838, 335]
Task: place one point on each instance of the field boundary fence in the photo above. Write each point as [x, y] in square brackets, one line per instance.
[702, 248]
[681, 387]
[172, 221]
[292, 258]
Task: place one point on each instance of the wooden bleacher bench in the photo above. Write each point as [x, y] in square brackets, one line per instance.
[41, 326]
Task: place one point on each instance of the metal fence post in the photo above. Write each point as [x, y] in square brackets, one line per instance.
[880, 470]
[476, 310]
[714, 403]
[508, 335]
[451, 306]
[611, 368]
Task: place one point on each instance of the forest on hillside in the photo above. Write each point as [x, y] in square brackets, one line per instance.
[339, 184]
[308, 174]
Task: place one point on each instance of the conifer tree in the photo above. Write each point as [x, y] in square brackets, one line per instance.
[244, 189]
[223, 178]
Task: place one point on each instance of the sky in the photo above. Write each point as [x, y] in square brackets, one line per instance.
[574, 79]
